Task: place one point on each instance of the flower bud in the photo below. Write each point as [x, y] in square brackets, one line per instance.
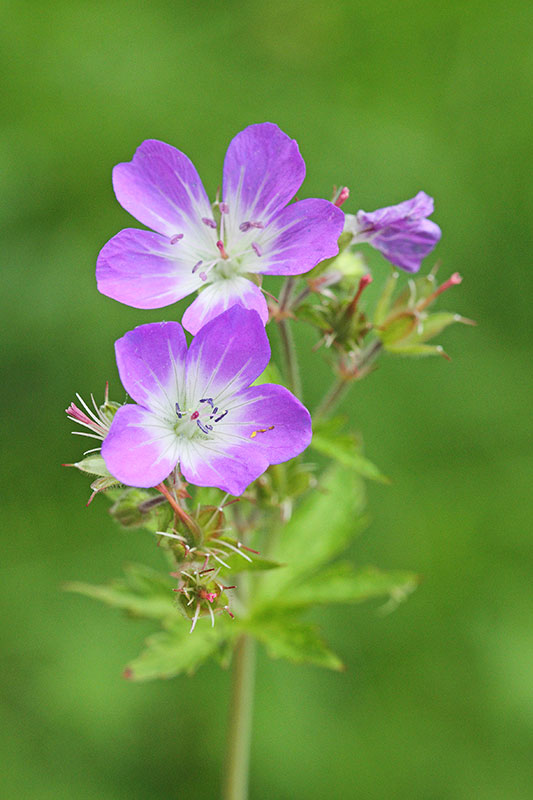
[404, 323]
[139, 508]
[201, 594]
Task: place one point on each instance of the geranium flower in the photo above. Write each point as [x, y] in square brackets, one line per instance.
[196, 406]
[256, 231]
[401, 233]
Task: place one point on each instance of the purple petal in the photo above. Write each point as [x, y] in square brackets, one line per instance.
[301, 236]
[221, 295]
[142, 269]
[231, 469]
[263, 170]
[407, 247]
[139, 450]
[401, 232]
[272, 419]
[227, 354]
[264, 425]
[418, 207]
[151, 365]
[162, 189]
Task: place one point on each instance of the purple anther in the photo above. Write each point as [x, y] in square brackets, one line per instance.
[221, 416]
[207, 400]
[215, 409]
[224, 208]
[175, 239]
[245, 226]
[204, 428]
[179, 411]
[209, 222]
[202, 276]
[257, 249]
[198, 264]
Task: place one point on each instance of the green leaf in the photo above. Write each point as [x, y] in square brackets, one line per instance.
[286, 637]
[342, 583]
[344, 448]
[177, 651]
[142, 593]
[323, 526]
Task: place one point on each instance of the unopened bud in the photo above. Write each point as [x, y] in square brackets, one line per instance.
[342, 196]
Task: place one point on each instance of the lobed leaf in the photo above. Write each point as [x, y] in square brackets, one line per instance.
[323, 526]
[286, 637]
[176, 651]
[343, 583]
[143, 592]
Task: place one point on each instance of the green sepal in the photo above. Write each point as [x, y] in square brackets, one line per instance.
[284, 636]
[93, 465]
[418, 350]
[434, 324]
[344, 448]
[397, 328]
[383, 304]
[143, 592]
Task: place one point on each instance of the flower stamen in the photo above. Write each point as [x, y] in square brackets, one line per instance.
[220, 245]
[261, 430]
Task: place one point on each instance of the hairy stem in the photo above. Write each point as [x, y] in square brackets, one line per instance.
[290, 359]
[241, 712]
[341, 385]
[332, 397]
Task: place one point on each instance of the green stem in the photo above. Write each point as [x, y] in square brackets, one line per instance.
[341, 385]
[290, 359]
[240, 725]
[332, 397]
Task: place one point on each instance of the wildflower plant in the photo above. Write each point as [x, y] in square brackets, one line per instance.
[249, 497]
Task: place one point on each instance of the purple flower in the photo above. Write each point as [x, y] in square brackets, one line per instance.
[401, 233]
[257, 232]
[197, 408]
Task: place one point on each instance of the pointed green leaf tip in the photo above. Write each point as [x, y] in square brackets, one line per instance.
[286, 637]
[342, 583]
[143, 592]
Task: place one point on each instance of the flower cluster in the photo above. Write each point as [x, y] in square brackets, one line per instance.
[200, 414]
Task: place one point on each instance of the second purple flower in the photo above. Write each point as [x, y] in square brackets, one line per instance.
[256, 232]
[196, 406]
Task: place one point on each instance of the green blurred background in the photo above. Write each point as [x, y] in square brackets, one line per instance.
[388, 98]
